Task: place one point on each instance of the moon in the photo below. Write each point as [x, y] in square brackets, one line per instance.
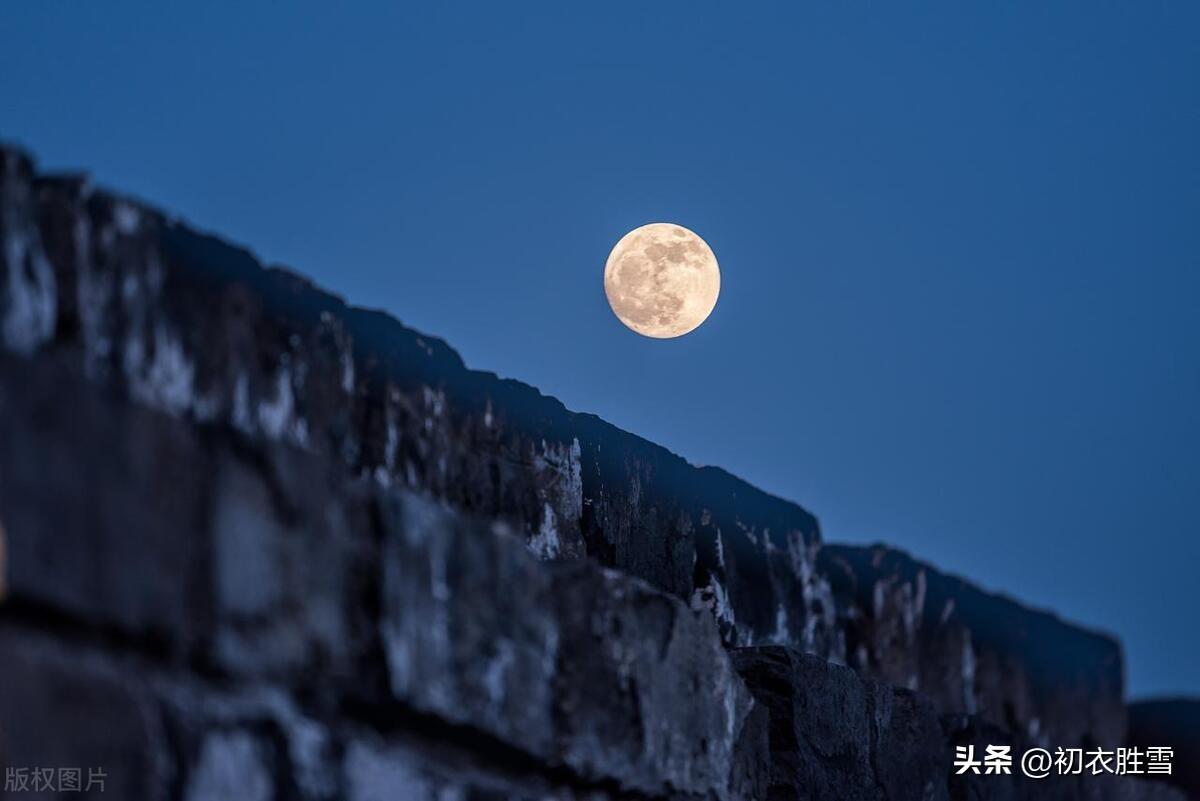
[662, 280]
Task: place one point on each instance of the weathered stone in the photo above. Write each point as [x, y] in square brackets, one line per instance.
[1174, 723]
[104, 505]
[3, 564]
[579, 666]
[643, 689]
[28, 295]
[1125, 788]
[198, 328]
[835, 736]
[67, 709]
[751, 776]
[468, 623]
[328, 561]
[375, 773]
[384, 771]
[290, 546]
[973, 652]
[230, 766]
[910, 751]
[175, 537]
[271, 576]
[968, 731]
[246, 743]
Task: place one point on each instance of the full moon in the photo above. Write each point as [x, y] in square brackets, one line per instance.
[662, 280]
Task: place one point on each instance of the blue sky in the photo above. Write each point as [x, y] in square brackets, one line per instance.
[960, 250]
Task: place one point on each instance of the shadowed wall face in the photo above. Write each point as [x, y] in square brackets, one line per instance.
[958, 242]
[307, 554]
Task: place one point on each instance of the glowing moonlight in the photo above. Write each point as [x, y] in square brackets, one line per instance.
[662, 280]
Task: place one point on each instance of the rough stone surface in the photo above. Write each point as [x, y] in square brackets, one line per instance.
[187, 324]
[62, 709]
[1172, 722]
[834, 735]
[191, 325]
[257, 544]
[974, 652]
[577, 665]
[586, 670]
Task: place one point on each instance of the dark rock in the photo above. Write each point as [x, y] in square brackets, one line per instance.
[28, 310]
[835, 736]
[256, 543]
[198, 328]
[643, 688]
[468, 624]
[345, 590]
[974, 652]
[103, 504]
[188, 324]
[1174, 723]
[579, 666]
[969, 731]
[910, 750]
[70, 711]
[175, 538]
[383, 771]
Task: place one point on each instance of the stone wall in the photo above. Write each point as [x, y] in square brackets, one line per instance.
[1171, 722]
[260, 544]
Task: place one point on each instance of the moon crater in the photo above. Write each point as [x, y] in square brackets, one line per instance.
[662, 280]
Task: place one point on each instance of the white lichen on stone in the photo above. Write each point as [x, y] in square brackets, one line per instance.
[914, 610]
[308, 743]
[277, 415]
[559, 470]
[347, 371]
[968, 674]
[230, 765]
[729, 704]
[749, 531]
[545, 542]
[309, 749]
[164, 380]
[820, 611]
[495, 674]
[126, 218]
[417, 634]
[781, 635]
[435, 406]
[715, 599]
[375, 774]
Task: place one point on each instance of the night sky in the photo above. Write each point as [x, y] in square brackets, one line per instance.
[960, 248]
